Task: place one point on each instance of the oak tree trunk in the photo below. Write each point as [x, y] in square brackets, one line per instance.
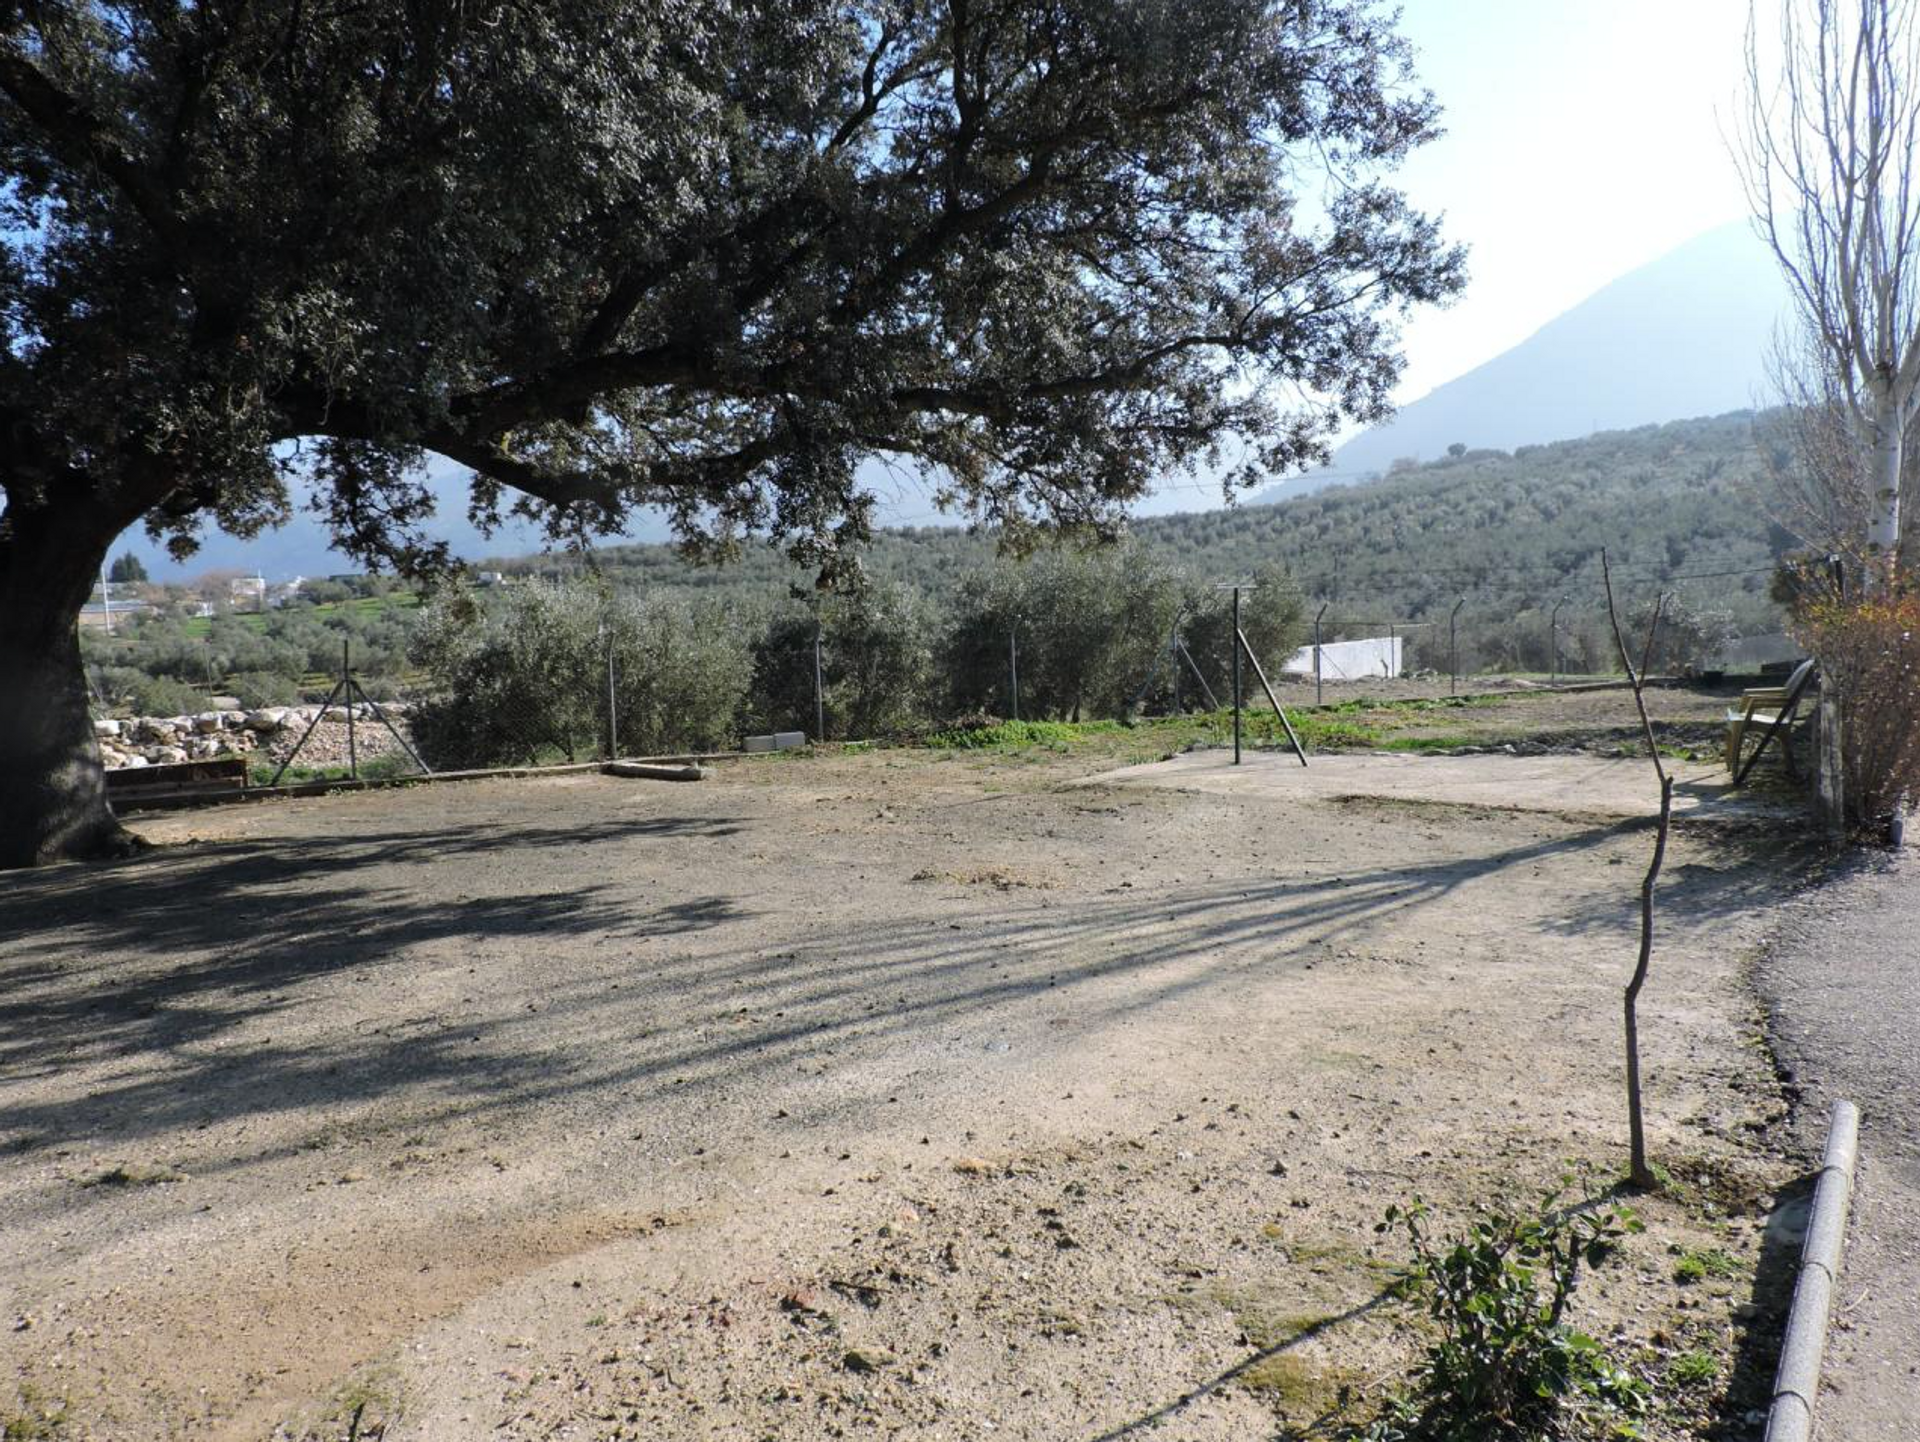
[53, 799]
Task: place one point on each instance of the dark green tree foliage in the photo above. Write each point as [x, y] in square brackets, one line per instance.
[680, 672]
[520, 681]
[876, 664]
[127, 570]
[706, 256]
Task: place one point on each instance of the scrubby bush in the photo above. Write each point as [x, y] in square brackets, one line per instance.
[164, 696]
[263, 688]
[511, 681]
[1273, 616]
[679, 673]
[1869, 653]
[321, 591]
[1505, 1362]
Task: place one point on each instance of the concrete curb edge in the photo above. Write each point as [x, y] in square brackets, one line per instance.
[1796, 1385]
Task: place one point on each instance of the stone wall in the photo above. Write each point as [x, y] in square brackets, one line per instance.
[268, 734]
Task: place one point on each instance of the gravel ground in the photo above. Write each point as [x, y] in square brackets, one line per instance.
[902, 1093]
[1843, 986]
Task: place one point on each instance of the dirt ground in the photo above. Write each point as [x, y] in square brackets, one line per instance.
[905, 1094]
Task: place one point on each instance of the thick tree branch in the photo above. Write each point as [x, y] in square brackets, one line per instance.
[85, 143]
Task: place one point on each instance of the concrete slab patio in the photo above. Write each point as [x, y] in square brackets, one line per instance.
[1576, 785]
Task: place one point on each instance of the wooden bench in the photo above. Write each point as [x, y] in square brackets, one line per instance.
[134, 785]
[1768, 707]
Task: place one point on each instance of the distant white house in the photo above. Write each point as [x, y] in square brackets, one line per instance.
[1368, 659]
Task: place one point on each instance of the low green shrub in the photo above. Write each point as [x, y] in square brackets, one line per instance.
[1505, 1362]
[1693, 1369]
[164, 696]
[254, 689]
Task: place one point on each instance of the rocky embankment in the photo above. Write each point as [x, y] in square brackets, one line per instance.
[269, 734]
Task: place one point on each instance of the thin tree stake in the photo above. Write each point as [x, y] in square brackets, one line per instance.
[1638, 1171]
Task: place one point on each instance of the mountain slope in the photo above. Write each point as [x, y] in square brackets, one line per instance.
[1511, 533]
[1513, 540]
[1682, 336]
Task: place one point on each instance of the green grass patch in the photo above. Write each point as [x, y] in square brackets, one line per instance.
[375, 768]
[1692, 1370]
[1358, 724]
[34, 1417]
[1697, 1266]
[1420, 703]
[198, 626]
[1426, 743]
[1010, 735]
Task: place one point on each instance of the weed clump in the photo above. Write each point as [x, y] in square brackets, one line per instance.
[1505, 1361]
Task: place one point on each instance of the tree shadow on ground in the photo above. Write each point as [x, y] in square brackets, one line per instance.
[150, 973]
[222, 924]
[1734, 871]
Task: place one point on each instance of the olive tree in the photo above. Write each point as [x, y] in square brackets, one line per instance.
[1082, 627]
[701, 256]
[525, 675]
[875, 664]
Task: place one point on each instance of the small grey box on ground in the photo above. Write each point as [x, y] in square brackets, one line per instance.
[778, 741]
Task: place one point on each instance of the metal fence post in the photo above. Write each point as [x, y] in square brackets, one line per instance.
[346, 682]
[1236, 676]
[819, 687]
[1013, 668]
[1453, 650]
[1553, 636]
[613, 714]
[1319, 695]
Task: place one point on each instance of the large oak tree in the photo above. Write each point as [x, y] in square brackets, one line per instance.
[704, 256]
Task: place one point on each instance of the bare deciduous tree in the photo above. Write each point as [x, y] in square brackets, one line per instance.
[1830, 132]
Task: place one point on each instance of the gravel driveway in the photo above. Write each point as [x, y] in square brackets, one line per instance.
[880, 1094]
[1843, 986]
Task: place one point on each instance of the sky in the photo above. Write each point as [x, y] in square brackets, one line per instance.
[1584, 138]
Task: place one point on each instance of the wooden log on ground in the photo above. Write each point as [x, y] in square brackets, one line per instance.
[649, 771]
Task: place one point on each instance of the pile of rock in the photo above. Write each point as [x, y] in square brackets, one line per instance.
[269, 733]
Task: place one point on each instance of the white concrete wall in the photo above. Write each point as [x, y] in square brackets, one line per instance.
[1374, 657]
